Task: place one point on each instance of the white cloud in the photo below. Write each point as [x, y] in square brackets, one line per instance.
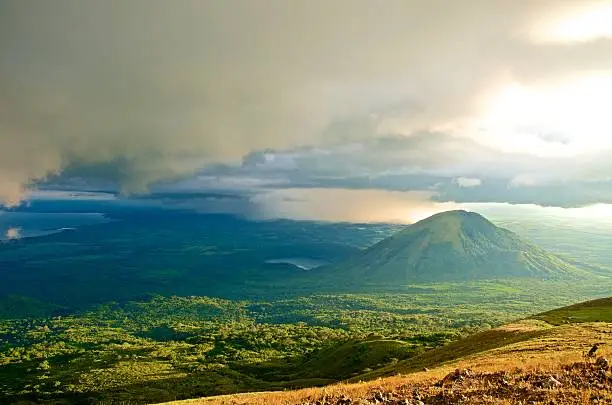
[525, 180]
[468, 181]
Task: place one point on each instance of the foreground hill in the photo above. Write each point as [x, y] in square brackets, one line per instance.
[452, 246]
[531, 361]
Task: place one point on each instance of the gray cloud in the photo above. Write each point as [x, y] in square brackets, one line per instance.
[145, 91]
[441, 166]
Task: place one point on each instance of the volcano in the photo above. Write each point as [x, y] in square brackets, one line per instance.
[452, 246]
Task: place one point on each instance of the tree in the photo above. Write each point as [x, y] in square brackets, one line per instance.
[44, 366]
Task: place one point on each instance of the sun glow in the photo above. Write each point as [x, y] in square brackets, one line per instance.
[596, 211]
[555, 119]
[415, 214]
[580, 21]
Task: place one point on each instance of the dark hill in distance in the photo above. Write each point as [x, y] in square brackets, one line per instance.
[451, 246]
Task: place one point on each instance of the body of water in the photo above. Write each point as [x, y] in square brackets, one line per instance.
[302, 263]
[14, 225]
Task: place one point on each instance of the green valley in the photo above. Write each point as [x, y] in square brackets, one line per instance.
[182, 347]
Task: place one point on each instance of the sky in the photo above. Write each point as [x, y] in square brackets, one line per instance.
[336, 110]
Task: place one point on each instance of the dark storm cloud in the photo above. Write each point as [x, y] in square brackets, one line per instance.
[148, 91]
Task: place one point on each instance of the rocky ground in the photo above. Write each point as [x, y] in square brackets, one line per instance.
[586, 382]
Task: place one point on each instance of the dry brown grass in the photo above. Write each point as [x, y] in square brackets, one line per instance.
[565, 345]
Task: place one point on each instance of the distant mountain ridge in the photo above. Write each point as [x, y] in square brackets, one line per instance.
[452, 246]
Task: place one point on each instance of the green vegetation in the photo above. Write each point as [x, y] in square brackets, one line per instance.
[169, 348]
[180, 347]
[153, 307]
[452, 246]
[591, 311]
[140, 253]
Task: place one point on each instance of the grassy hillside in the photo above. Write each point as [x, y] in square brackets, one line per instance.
[336, 362]
[531, 361]
[469, 346]
[591, 311]
[537, 328]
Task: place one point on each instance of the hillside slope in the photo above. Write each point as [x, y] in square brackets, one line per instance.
[590, 311]
[451, 246]
[531, 361]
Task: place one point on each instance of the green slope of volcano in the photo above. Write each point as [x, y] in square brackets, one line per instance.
[452, 246]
